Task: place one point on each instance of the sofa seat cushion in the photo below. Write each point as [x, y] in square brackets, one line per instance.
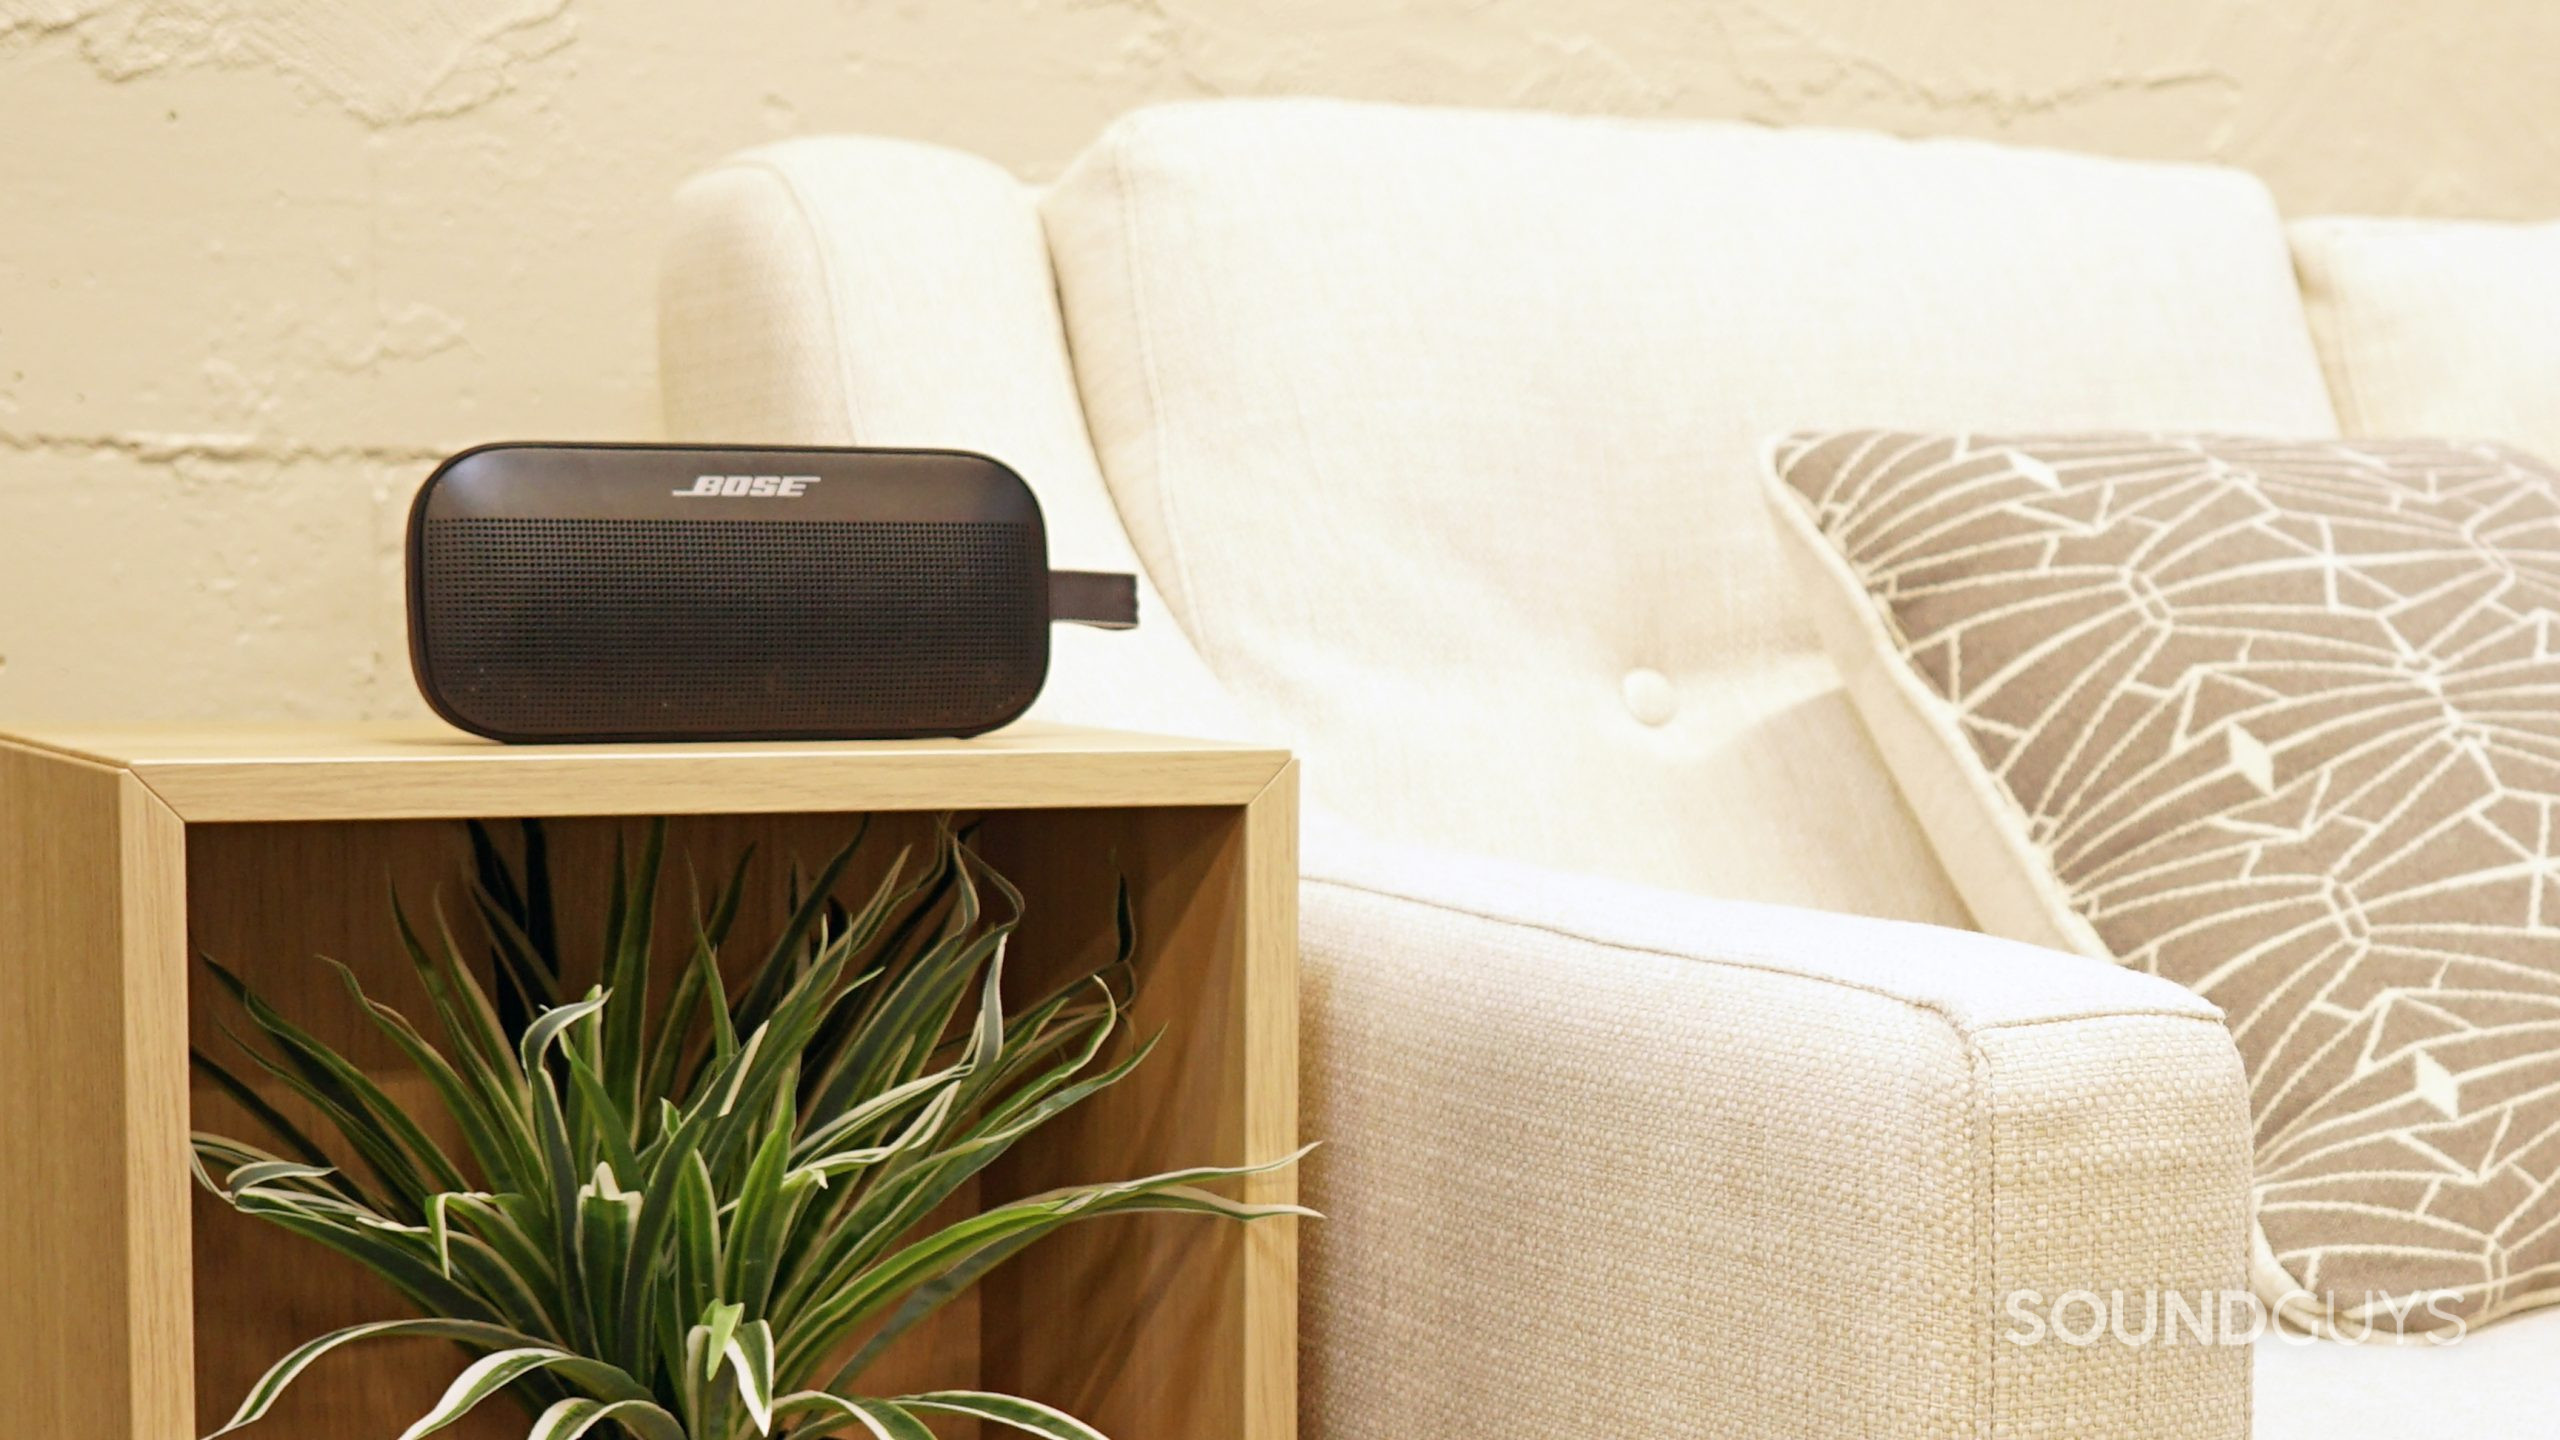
[2279, 721]
[2495, 1385]
[1437, 429]
[2437, 327]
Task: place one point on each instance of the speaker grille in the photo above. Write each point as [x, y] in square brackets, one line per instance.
[584, 627]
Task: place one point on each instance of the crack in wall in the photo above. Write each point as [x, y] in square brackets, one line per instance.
[386, 65]
[1830, 64]
[163, 447]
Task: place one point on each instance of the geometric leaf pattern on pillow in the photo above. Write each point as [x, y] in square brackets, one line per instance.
[2282, 720]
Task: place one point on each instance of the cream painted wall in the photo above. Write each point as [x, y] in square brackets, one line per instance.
[261, 261]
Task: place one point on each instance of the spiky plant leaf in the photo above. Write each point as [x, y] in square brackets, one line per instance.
[271, 1386]
[830, 1414]
[489, 1375]
[577, 1415]
[666, 1223]
[749, 1355]
[1028, 1416]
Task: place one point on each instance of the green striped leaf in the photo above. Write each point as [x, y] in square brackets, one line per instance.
[596, 1115]
[440, 1228]
[895, 1208]
[781, 962]
[280, 1376]
[470, 1023]
[715, 1004]
[757, 1221]
[515, 1290]
[526, 910]
[699, 987]
[1028, 1416]
[390, 1142]
[485, 1377]
[560, 1168]
[404, 1259]
[697, 1239]
[268, 1172]
[574, 1417]
[750, 1354]
[879, 1419]
[741, 1067]
[491, 1140]
[875, 1111]
[551, 1024]
[275, 1121]
[842, 1309]
[607, 1215]
[506, 1224]
[717, 1327]
[676, 1213]
[923, 1301]
[624, 1040]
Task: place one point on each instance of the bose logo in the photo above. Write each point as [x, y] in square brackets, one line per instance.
[781, 486]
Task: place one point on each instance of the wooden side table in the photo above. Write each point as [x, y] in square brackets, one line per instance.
[144, 1311]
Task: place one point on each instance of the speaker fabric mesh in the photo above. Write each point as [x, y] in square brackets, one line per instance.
[603, 625]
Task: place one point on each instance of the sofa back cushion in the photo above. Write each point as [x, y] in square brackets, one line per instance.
[2437, 327]
[1437, 429]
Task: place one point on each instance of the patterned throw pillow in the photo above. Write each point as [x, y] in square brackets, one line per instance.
[2279, 721]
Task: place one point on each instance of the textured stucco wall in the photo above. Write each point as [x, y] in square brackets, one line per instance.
[262, 260]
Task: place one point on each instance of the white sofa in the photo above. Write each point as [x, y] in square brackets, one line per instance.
[1649, 1106]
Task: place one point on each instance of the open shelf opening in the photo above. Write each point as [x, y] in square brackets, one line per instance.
[1137, 1324]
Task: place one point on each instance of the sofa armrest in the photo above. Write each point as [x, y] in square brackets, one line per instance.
[1605, 1160]
[848, 290]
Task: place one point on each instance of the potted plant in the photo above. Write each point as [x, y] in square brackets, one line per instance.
[701, 1219]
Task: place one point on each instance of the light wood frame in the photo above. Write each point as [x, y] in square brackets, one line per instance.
[119, 855]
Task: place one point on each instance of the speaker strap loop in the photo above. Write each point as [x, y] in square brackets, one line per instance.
[1097, 598]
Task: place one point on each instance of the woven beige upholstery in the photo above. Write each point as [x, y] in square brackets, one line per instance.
[2437, 327]
[1600, 1160]
[1599, 1155]
[1439, 429]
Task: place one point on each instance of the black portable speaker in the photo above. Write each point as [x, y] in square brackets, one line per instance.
[700, 592]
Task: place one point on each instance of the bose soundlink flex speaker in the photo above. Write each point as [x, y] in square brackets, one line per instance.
[683, 592]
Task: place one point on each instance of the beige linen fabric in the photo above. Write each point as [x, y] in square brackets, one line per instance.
[2494, 1384]
[2279, 721]
[1608, 1160]
[1436, 428]
[1685, 1130]
[2437, 327]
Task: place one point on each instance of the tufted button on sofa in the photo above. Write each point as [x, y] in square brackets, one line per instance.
[1665, 1086]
